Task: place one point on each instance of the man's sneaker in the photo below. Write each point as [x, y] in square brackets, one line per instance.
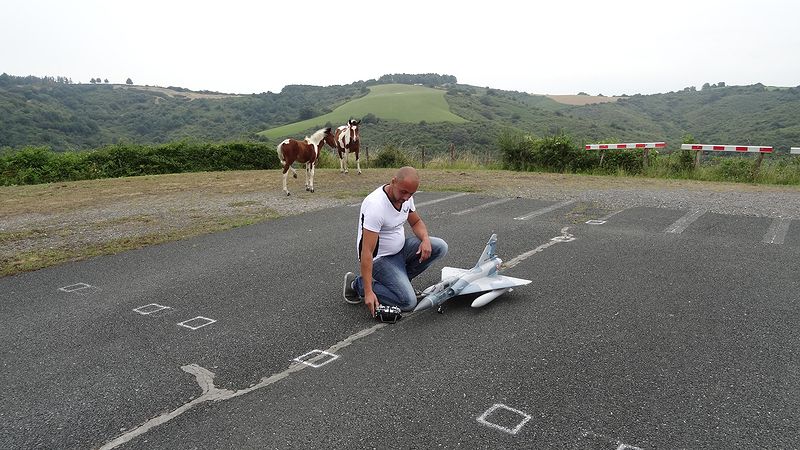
[350, 294]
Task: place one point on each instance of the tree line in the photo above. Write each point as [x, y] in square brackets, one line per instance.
[54, 112]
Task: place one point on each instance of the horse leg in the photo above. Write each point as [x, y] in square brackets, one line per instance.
[313, 169]
[285, 175]
[341, 161]
[310, 176]
[283, 161]
[346, 155]
[358, 163]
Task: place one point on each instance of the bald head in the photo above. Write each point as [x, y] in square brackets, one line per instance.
[404, 184]
[407, 173]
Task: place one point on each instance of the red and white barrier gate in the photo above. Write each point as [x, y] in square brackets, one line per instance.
[727, 148]
[634, 145]
[627, 145]
[700, 148]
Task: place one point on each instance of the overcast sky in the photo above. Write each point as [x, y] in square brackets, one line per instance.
[557, 47]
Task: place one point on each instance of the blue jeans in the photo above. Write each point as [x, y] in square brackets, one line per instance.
[392, 275]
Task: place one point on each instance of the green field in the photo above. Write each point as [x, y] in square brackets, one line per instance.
[400, 102]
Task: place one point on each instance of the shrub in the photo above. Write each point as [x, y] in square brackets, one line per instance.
[629, 161]
[784, 170]
[557, 153]
[329, 159]
[684, 160]
[516, 150]
[733, 169]
[391, 156]
[33, 165]
[30, 165]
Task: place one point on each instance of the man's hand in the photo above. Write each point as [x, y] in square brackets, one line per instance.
[371, 300]
[424, 250]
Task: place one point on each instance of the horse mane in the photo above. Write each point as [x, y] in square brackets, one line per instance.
[318, 136]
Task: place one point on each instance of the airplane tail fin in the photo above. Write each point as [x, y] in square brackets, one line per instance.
[489, 251]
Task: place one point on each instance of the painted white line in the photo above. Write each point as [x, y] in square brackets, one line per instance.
[203, 321]
[682, 223]
[429, 202]
[150, 309]
[546, 210]
[565, 237]
[604, 219]
[443, 199]
[317, 356]
[485, 205]
[524, 418]
[777, 231]
[627, 447]
[75, 287]
[205, 378]
[610, 440]
[612, 214]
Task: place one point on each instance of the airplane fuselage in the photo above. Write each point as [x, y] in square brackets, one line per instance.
[450, 288]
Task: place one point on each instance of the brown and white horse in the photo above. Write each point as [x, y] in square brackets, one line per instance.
[305, 151]
[348, 140]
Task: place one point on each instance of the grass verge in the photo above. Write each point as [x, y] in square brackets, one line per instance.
[45, 257]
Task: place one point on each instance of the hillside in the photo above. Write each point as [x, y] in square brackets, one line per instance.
[582, 100]
[63, 116]
[398, 102]
[743, 115]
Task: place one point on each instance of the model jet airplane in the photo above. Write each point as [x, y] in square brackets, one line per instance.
[484, 277]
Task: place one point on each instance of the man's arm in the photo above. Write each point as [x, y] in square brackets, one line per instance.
[369, 240]
[421, 231]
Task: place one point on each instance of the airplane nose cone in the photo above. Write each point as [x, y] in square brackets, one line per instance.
[425, 303]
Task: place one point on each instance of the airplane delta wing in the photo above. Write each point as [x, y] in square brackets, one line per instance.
[488, 283]
[483, 278]
[493, 283]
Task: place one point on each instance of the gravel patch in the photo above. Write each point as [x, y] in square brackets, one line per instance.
[73, 216]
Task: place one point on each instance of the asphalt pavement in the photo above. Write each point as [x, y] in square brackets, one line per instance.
[647, 328]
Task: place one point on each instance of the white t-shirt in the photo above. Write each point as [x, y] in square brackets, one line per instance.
[379, 215]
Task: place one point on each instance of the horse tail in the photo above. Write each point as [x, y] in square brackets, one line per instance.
[281, 158]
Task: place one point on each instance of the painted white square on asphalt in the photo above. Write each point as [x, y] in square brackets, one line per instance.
[197, 322]
[75, 287]
[315, 354]
[504, 418]
[150, 309]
